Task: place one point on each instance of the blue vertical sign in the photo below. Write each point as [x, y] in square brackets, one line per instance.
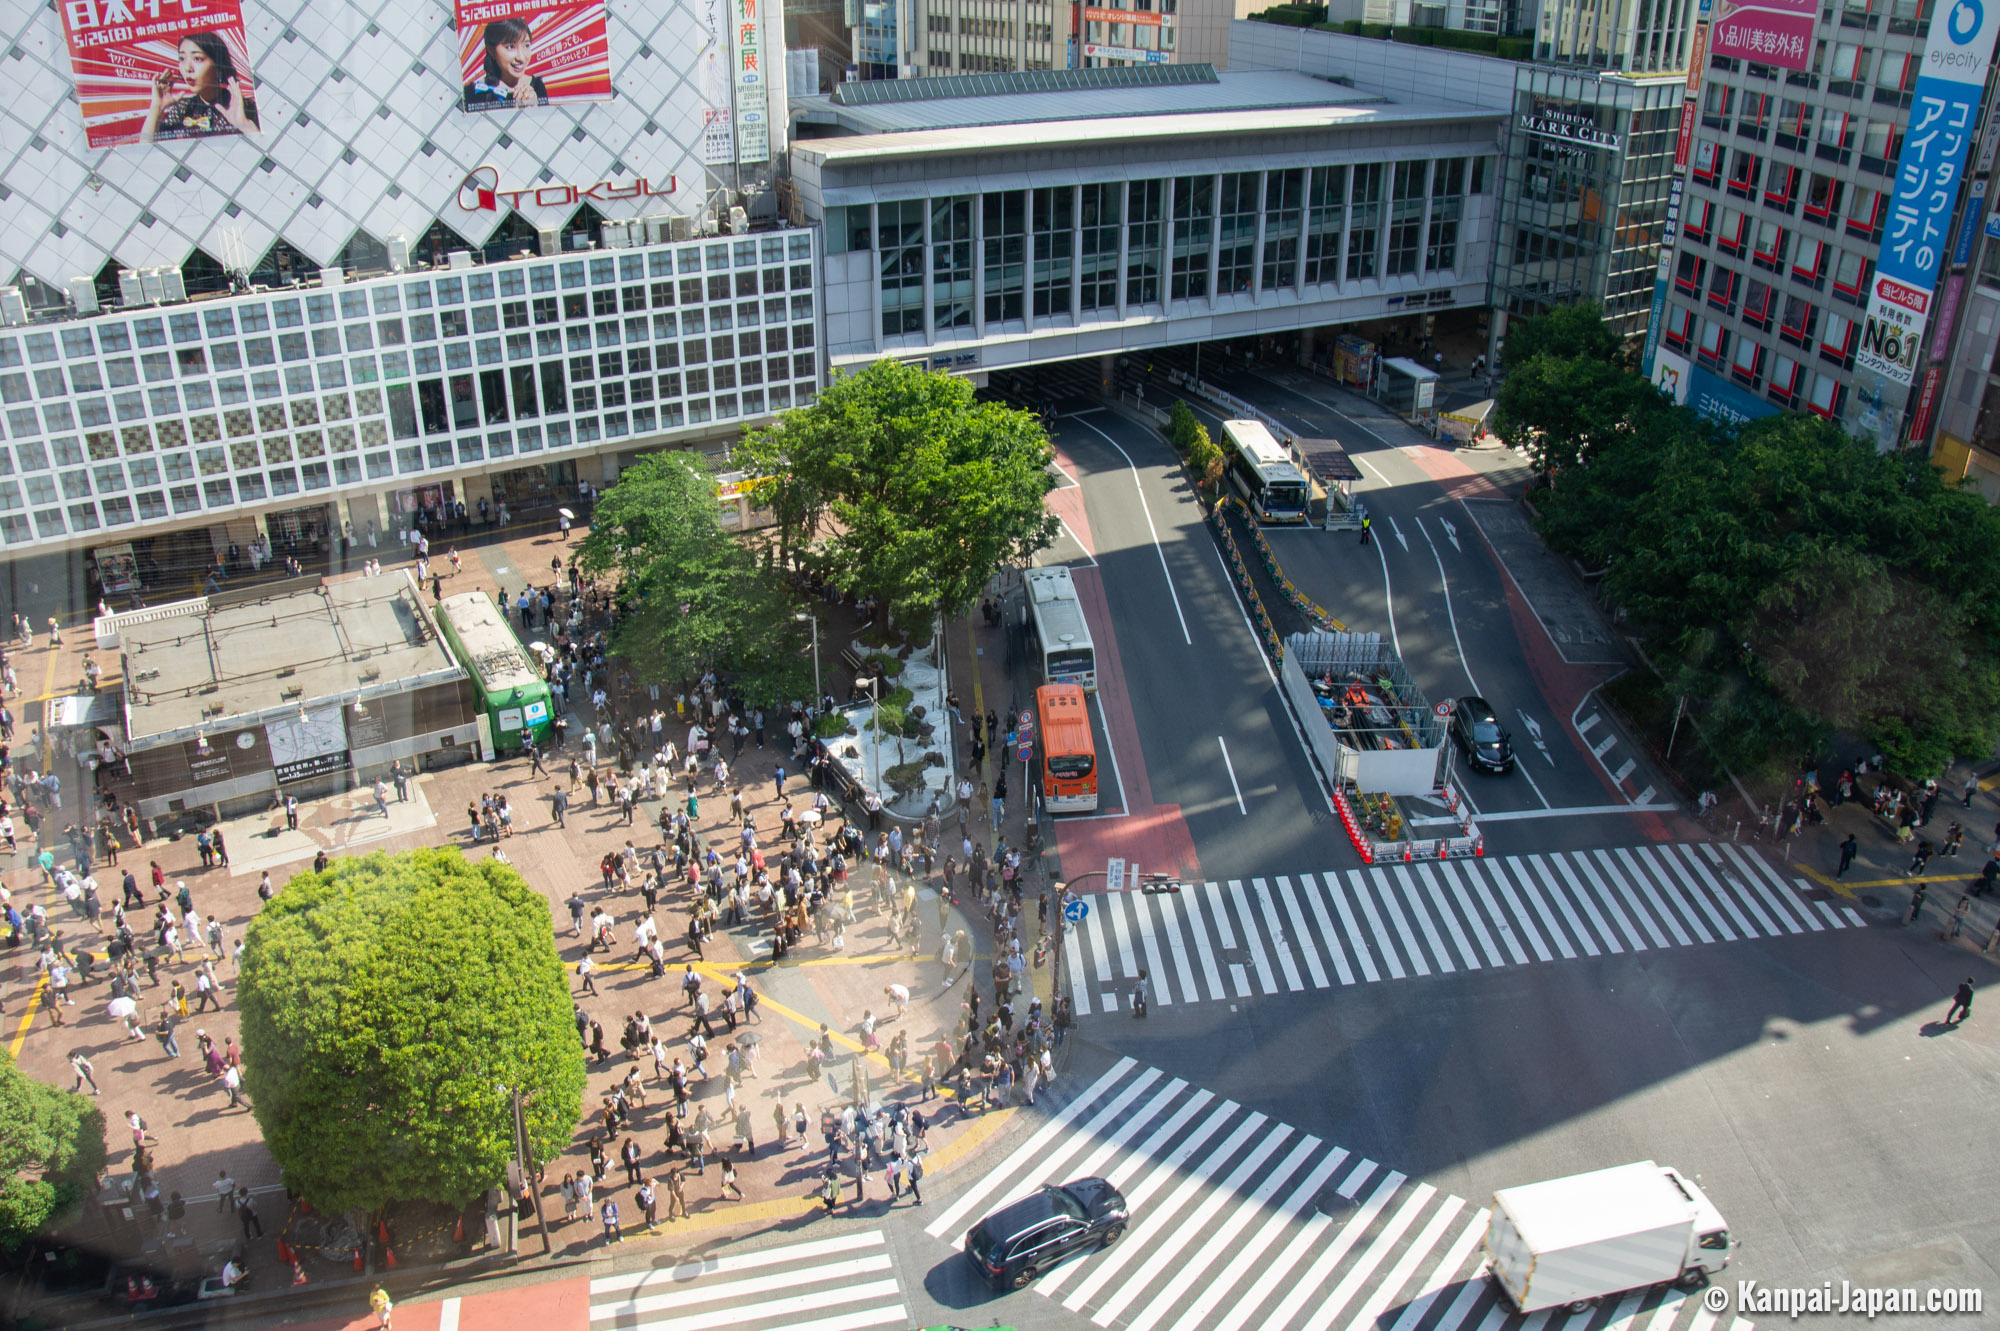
[1944, 118]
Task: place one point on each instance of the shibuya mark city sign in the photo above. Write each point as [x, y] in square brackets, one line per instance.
[1571, 126]
[480, 191]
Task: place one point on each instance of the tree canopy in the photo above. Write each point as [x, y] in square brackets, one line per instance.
[1793, 579]
[693, 597]
[51, 1153]
[924, 488]
[386, 1002]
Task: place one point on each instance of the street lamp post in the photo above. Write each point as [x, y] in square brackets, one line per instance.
[809, 618]
[520, 1125]
[875, 724]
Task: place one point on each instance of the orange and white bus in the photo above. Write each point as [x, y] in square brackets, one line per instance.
[1069, 751]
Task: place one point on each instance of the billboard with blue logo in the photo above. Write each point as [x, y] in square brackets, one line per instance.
[1944, 118]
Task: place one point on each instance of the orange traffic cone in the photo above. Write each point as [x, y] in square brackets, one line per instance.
[389, 1258]
[284, 1251]
[458, 1230]
[298, 1272]
[357, 1258]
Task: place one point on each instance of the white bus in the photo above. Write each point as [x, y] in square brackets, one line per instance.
[1055, 618]
[1264, 473]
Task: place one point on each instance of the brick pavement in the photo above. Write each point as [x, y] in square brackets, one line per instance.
[199, 1134]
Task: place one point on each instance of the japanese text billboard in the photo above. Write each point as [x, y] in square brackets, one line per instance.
[1770, 32]
[1944, 115]
[753, 126]
[160, 71]
[514, 54]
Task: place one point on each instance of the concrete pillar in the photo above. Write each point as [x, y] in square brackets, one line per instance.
[1306, 345]
[1107, 372]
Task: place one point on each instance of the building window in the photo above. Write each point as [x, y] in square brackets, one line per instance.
[1055, 250]
[1800, 322]
[1284, 194]
[1678, 332]
[951, 263]
[1837, 341]
[1713, 345]
[1698, 218]
[1447, 202]
[1406, 215]
[1785, 376]
[1689, 273]
[1722, 285]
[1101, 209]
[1326, 215]
[1730, 231]
[1828, 393]
[1747, 366]
[1822, 197]
[1144, 204]
[1237, 232]
[1194, 227]
[902, 267]
[1005, 218]
[1759, 303]
[1365, 220]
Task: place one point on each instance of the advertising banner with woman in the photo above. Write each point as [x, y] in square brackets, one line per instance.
[141, 79]
[514, 54]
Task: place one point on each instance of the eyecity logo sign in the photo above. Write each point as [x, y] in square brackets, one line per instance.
[1965, 21]
[480, 191]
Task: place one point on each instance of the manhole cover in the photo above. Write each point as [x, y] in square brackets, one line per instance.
[1233, 956]
[1870, 900]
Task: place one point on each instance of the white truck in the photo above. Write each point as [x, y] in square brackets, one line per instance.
[1571, 1241]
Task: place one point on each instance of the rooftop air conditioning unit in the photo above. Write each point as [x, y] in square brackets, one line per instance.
[173, 284]
[739, 222]
[460, 259]
[13, 309]
[680, 227]
[548, 240]
[399, 253]
[131, 287]
[332, 277]
[83, 295]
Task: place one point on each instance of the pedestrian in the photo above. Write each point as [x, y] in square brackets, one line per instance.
[915, 1175]
[80, 1063]
[1916, 905]
[246, 1211]
[728, 1180]
[1139, 996]
[1958, 915]
[829, 1191]
[1366, 522]
[1971, 789]
[649, 1203]
[1961, 1004]
[676, 1196]
[630, 1154]
[232, 1081]
[380, 1305]
[1848, 849]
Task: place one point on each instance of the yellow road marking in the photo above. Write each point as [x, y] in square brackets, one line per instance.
[27, 1018]
[1846, 889]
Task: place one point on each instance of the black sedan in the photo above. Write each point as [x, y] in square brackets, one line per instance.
[1481, 738]
[1021, 1240]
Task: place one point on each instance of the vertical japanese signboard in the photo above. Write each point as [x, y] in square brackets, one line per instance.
[1769, 32]
[1943, 118]
[160, 72]
[516, 54]
[753, 123]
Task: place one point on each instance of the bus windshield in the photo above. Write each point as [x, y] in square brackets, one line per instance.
[1072, 765]
[1285, 496]
[1061, 662]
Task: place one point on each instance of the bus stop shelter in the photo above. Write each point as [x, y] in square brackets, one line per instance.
[1329, 465]
[1408, 389]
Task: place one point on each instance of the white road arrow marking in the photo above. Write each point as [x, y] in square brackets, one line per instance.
[1401, 539]
[1534, 729]
[1451, 534]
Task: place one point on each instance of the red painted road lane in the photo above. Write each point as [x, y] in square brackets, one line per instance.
[1152, 836]
[553, 1305]
[1451, 472]
[1067, 504]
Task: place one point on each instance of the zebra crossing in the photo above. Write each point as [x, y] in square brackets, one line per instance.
[845, 1283]
[1242, 1221]
[1233, 940]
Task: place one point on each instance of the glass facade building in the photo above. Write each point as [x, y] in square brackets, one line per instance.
[1583, 199]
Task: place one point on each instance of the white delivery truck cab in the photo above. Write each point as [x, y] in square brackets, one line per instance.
[1571, 1241]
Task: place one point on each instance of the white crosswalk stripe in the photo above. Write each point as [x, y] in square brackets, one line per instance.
[845, 1283]
[1288, 933]
[1239, 1221]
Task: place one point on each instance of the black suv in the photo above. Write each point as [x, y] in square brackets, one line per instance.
[1484, 741]
[1019, 1242]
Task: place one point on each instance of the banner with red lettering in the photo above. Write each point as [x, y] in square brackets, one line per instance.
[160, 71]
[515, 54]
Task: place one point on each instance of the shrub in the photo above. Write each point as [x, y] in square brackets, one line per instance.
[830, 726]
[1413, 36]
[1516, 48]
[1181, 426]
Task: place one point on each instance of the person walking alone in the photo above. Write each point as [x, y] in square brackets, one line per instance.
[1848, 849]
[1961, 1004]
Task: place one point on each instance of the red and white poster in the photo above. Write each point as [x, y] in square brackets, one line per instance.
[514, 54]
[160, 71]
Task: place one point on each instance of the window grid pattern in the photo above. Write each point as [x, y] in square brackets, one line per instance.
[180, 410]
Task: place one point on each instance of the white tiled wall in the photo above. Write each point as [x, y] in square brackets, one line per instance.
[350, 70]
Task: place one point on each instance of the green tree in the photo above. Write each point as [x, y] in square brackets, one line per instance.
[1569, 332]
[1204, 457]
[1794, 580]
[386, 1001]
[1181, 426]
[924, 487]
[693, 596]
[51, 1154]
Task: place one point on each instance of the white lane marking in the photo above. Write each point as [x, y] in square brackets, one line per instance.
[1147, 509]
[1124, 805]
[1231, 769]
[448, 1314]
[749, 1261]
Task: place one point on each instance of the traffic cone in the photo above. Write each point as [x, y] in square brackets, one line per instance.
[389, 1258]
[458, 1230]
[298, 1272]
[284, 1251]
[357, 1257]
